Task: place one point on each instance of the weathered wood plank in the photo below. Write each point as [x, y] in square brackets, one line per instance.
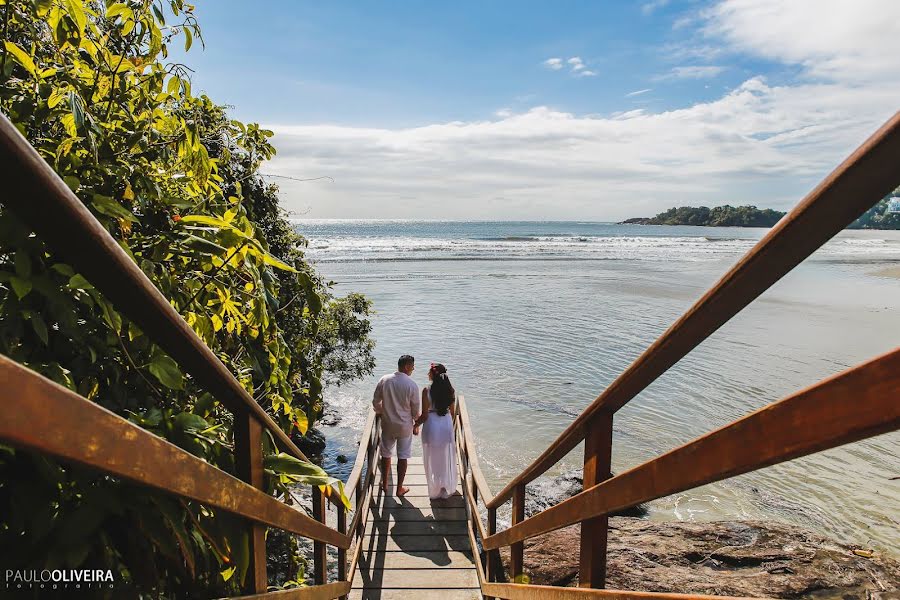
[423, 502]
[451, 559]
[419, 594]
[415, 543]
[412, 513]
[430, 528]
[416, 578]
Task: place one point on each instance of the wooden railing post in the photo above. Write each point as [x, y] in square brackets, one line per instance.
[248, 457]
[517, 550]
[597, 464]
[493, 563]
[342, 554]
[320, 555]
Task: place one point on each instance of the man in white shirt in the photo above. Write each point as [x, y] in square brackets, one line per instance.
[397, 400]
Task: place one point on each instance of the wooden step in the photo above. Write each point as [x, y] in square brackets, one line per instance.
[428, 528]
[384, 542]
[417, 560]
[416, 578]
[421, 502]
[414, 513]
[417, 594]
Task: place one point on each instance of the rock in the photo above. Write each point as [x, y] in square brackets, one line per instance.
[544, 493]
[330, 417]
[312, 444]
[735, 558]
[341, 459]
[636, 221]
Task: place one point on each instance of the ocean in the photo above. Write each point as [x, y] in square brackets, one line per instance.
[535, 319]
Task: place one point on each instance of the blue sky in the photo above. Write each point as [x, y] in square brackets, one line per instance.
[551, 110]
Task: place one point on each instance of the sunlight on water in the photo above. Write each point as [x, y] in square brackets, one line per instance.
[535, 319]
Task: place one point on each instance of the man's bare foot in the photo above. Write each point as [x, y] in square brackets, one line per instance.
[401, 491]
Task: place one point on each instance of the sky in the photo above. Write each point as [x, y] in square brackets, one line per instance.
[550, 111]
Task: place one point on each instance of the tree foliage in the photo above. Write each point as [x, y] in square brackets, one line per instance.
[878, 216]
[718, 216]
[176, 182]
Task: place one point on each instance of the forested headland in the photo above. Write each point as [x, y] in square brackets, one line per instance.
[877, 217]
[176, 181]
[718, 216]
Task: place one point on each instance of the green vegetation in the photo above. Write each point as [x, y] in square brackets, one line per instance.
[176, 182]
[878, 216]
[718, 216]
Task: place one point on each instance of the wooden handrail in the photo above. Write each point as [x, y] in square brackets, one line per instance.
[39, 415]
[468, 441]
[361, 454]
[869, 174]
[327, 591]
[516, 591]
[854, 405]
[34, 191]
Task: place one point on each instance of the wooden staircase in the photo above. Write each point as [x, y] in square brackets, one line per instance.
[414, 547]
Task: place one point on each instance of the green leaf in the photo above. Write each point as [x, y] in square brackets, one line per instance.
[76, 11]
[117, 9]
[166, 370]
[23, 264]
[40, 328]
[57, 96]
[20, 286]
[77, 108]
[188, 39]
[22, 57]
[112, 208]
[78, 282]
[190, 422]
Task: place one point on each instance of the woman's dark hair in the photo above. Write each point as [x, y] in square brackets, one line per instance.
[442, 392]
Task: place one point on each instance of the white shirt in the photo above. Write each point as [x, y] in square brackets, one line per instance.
[397, 400]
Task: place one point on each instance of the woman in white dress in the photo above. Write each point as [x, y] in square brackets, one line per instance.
[438, 442]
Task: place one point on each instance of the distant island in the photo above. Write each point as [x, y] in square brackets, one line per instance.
[718, 216]
[884, 215]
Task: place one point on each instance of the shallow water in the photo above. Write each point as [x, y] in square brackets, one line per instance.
[535, 319]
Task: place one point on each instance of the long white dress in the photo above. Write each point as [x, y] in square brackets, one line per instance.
[439, 454]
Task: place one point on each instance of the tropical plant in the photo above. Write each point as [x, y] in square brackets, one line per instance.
[176, 182]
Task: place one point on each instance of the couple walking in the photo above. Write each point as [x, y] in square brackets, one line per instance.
[404, 413]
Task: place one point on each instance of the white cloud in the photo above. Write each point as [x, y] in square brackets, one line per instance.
[759, 143]
[553, 63]
[693, 72]
[638, 92]
[649, 7]
[576, 66]
[831, 39]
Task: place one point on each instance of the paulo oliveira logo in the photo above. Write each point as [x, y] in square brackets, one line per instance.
[58, 580]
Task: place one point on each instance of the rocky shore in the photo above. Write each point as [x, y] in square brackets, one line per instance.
[733, 558]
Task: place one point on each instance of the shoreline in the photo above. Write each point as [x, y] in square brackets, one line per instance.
[889, 272]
